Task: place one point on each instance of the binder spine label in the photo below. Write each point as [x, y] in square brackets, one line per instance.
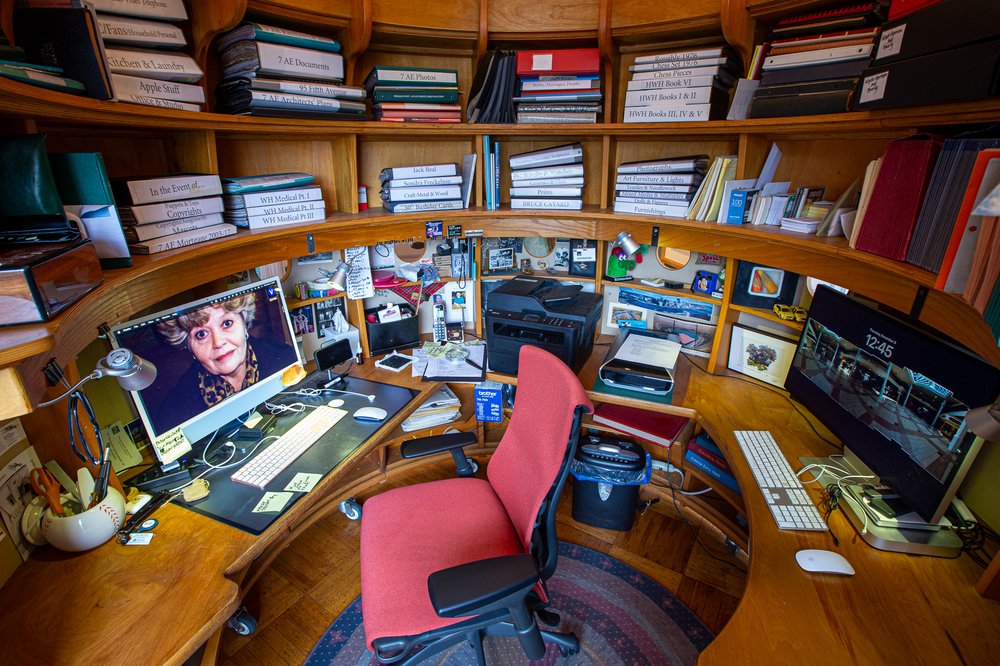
[424, 193]
[146, 33]
[418, 206]
[680, 82]
[161, 103]
[300, 62]
[261, 221]
[668, 97]
[173, 210]
[255, 199]
[171, 189]
[873, 87]
[657, 114]
[173, 66]
[262, 211]
[549, 204]
[547, 172]
[157, 229]
[181, 92]
[891, 42]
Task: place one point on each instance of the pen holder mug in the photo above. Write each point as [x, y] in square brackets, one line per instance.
[87, 529]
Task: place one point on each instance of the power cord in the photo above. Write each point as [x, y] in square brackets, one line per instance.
[791, 402]
[694, 531]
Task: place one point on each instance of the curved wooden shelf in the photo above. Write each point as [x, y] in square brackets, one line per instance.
[23, 100]
[128, 291]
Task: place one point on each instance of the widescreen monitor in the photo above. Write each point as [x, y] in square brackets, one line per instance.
[894, 394]
[217, 358]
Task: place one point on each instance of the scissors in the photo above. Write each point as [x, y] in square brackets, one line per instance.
[46, 485]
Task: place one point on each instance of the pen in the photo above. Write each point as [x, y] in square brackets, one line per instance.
[103, 476]
[474, 364]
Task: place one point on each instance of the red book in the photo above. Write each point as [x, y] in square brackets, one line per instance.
[900, 8]
[558, 61]
[897, 195]
[710, 456]
[656, 427]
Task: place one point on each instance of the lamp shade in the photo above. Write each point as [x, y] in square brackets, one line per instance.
[625, 241]
[133, 373]
[339, 277]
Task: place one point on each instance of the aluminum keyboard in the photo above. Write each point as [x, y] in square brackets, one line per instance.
[279, 454]
[789, 503]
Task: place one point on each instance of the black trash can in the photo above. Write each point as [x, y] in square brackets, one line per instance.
[606, 476]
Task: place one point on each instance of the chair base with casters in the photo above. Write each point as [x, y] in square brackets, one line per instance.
[465, 558]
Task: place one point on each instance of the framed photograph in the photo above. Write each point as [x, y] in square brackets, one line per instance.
[705, 282]
[695, 338]
[302, 320]
[759, 286]
[622, 314]
[760, 354]
[668, 304]
[318, 258]
[500, 259]
[582, 257]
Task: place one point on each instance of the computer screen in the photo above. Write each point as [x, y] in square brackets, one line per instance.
[894, 394]
[216, 359]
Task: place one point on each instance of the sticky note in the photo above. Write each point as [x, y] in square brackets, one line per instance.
[272, 502]
[303, 482]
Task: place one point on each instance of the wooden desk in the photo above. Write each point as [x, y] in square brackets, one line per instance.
[897, 608]
[157, 604]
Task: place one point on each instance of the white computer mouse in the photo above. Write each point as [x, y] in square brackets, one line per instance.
[370, 414]
[824, 561]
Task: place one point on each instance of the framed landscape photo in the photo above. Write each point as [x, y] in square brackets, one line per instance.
[760, 354]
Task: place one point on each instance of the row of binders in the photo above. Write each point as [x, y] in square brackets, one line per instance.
[109, 49]
[686, 85]
[527, 87]
[269, 71]
[412, 189]
[548, 179]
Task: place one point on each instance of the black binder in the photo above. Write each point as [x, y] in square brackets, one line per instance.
[939, 27]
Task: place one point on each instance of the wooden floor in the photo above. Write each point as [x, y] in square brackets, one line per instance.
[318, 575]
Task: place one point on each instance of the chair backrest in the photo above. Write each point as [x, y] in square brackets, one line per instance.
[528, 462]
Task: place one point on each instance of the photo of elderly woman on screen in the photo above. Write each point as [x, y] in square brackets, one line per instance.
[210, 351]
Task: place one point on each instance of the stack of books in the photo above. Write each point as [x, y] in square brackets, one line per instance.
[272, 200]
[411, 189]
[663, 188]
[657, 428]
[681, 86]
[270, 71]
[813, 61]
[558, 86]
[442, 407]
[165, 213]
[124, 50]
[143, 58]
[703, 454]
[540, 179]
[414, 94]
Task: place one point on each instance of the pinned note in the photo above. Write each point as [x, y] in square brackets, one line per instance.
[303, 482]
[171, 445]
[272, 502]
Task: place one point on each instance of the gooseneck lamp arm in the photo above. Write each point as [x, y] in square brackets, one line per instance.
[133, 373]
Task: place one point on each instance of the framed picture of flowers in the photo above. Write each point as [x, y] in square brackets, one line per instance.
[760, 354]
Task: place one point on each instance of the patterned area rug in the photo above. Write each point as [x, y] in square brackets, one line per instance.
[620, 615]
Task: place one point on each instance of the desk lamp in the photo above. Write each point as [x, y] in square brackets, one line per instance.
[338, 278]
[628, 244]
[133, 373]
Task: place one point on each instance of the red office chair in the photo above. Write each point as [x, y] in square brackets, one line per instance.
[461, 559]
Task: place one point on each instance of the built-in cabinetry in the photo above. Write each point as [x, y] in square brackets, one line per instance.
[830, 150]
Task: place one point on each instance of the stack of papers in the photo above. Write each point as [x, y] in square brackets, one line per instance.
[450, 362]
[442, 407]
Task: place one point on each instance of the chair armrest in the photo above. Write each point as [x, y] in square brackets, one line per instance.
[483, 585]
[422, 446]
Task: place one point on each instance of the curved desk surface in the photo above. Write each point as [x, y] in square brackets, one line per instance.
[157, 604]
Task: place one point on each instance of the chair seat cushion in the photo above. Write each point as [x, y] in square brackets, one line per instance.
[409, 533]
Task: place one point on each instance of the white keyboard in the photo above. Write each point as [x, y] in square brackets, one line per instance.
[280, 453]
[789, 503]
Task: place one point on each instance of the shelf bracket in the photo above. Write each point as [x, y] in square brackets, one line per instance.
[310, 244]
[918, 301]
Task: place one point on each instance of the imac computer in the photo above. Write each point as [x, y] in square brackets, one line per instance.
[217, 358]
[897, 397]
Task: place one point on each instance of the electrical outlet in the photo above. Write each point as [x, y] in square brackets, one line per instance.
[664, 466]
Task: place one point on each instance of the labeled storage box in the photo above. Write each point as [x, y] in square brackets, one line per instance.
[402, 334]
[489, 402]
[39, 281]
